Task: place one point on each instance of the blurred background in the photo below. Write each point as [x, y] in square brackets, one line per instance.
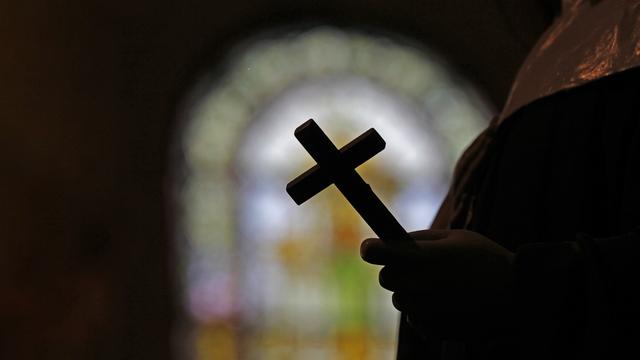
[262, 278]
[146, 147]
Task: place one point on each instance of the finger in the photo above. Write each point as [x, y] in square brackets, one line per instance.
[416, 303]
[378, 252]
[411, 302]
[399, 301]
[389, 278]
[374, 251]
[407, 277]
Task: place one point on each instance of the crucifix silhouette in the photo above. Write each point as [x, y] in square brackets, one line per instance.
[338, 167]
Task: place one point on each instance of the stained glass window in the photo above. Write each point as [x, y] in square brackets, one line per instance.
[262, 277]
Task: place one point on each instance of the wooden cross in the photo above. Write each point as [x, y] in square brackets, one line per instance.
[338, 167]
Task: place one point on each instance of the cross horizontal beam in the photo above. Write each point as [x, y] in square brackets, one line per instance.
[354, 154]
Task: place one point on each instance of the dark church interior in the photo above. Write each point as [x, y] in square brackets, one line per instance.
[93, 96]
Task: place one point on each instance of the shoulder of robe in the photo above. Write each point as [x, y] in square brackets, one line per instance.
[589, 41]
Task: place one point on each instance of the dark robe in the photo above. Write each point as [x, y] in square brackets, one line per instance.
[558, 182]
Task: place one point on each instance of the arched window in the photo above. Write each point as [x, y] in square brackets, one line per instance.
[264, 278]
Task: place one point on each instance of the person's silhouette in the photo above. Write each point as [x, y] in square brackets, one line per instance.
[532, 254]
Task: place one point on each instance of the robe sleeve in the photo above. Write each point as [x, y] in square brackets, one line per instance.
[583, 291]
[613, 287]
[550, 287]
[586, 290]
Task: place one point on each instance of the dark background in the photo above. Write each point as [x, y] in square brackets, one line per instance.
[87, 98]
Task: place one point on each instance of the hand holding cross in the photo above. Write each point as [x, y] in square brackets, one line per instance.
[430, 252]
